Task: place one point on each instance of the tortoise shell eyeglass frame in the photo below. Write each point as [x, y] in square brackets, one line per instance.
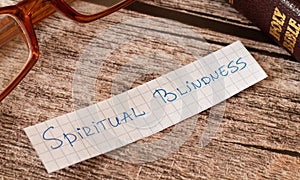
[28, 12]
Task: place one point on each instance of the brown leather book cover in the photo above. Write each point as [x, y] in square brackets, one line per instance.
[280, 19]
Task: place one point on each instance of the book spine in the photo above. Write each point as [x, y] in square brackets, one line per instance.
[280, 19]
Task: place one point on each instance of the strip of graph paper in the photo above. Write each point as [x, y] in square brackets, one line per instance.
[146, 109]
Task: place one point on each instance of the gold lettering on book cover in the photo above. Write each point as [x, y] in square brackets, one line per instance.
[277, 23]
[291, 35]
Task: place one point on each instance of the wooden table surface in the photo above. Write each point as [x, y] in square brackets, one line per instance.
[258, 138]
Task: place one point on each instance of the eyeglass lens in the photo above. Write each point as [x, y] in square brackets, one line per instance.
[84, 6]
[14, 50]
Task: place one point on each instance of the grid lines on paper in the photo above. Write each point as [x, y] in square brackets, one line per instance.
[141, 96]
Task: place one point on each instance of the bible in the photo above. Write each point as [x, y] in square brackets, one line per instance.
[280, 19]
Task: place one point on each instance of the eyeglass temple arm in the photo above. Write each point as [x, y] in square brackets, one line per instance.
[10, 30]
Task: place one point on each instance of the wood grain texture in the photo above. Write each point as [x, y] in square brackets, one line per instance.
[259, 137]
[217, 8]
[206, 14]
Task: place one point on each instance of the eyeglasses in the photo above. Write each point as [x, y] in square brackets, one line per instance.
[16, 24]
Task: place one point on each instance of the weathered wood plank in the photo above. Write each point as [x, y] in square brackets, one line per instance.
[259, 136]
[216, 16]
[217, 8]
